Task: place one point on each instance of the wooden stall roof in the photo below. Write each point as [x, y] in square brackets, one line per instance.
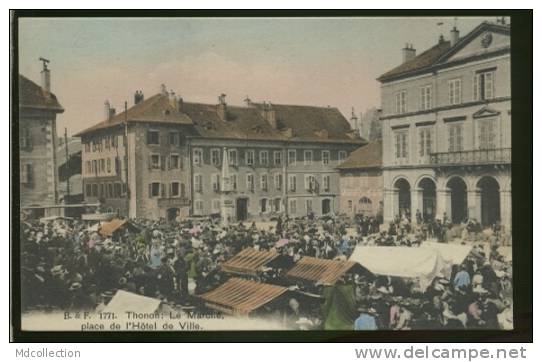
[249, 261]
[240, 297]
[319, 271]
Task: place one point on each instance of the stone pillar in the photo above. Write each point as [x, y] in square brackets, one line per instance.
[444, 203]
[506, 209]
[474, 204]
[416, 203]
[391, 204]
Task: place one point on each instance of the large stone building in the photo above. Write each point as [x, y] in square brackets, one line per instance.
[38, 175]
[361, 182]
[446, 123]
[196, 159]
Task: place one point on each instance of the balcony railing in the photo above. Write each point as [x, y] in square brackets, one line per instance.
[173, 202]
[474, 157]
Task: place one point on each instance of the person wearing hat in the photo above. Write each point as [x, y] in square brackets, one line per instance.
[366, 320]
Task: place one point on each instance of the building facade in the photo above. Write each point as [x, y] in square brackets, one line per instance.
[38, 109]
[236, 162]
[446, 126]
[361, 182]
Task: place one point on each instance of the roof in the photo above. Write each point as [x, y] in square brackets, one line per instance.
[319, 271]
[249, 261]
[32, 95]
[240, 297]
[438, 53]
[124, 301]
[156, 109]
[110, 227]
[367, 156]
[303, 123]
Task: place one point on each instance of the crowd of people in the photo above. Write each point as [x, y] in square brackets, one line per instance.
[68, 264]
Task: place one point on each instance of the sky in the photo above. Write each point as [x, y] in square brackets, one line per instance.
[310, 61]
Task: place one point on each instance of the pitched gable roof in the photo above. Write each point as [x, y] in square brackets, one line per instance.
[32, 95]
[368, 156]
[439, 53]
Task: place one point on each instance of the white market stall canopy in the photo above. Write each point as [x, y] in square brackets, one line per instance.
[124, 301]
[419, 263]
[451, 253]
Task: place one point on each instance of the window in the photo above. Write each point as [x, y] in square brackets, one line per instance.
[454, 91]
[307, 157]
[278, 158]
[401, 144]
[153, 137]
[154, 189]
[484, 85]
[263, 182]
[425, 97]
[117, 189]
[350, 205]
[263, 157]
[455, 137]
[292, 156]
[486, 134]
[292, 205]
[26, 173]
[249, 157]
[198, 207]
[325, 157]
[326, 182]
[263, 205]
[175, 189]
[215, 180]
[425, 142]
[107, 143]
[174, 138]
[342, 156]
[233, 181]
[232, 155]
[95, 166]
[278, 181]
[310, 183]
[174, 161]
[94, 190]
[25, 139]
[400, 102]
[155, 161]
[250, 182]
[197, 155]
[308, 204]
[88, 190]
[215, 206]
[108, 165]
[110, 190]
[198, 183]
[102, 165]
[117, 166]
[215, 157]
[292, 182]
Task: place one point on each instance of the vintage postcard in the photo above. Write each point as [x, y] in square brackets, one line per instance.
[268, 173]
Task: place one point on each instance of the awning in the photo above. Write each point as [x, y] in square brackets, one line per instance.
[451, 253]
[249, 261]
[319, 271]
[109, 228]
[407, 262]
[124, 301]
[240, 297]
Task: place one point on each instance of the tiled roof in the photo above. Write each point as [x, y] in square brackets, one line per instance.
[249, 261]
[424, 60]
[367, 156]
[33, 96]
[294, 123]
[154, 109]
[240, 297]
[319, 271]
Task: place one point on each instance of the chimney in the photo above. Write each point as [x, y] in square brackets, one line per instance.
[408, 52]
[441, 39]
[248, 101]
[107, 110]
[45, 76]
[221, 107]
[454, 36]
[163, 89]
[173, 100]
[180, 104]
[112, 113]
[269, 114]
[138, 97]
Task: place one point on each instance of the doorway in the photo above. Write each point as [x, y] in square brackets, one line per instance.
[241, 209]
[326, 206]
